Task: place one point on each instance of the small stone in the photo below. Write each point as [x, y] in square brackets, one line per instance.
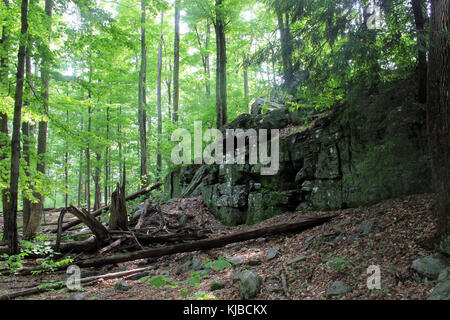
[303, 206]
[272, 253]
[430, 266]
[339, 227]
[78, 296]
[184, 267]
[337, 288]
[249, 285]
[237, 260]
[217, 285]
[296, 259]
[196, 264]
[365, 227]
[122, 286]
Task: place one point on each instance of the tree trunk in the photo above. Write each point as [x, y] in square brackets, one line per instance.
[97, 187]
[419, 9]
[221, 72]
[88, 164]
[158, 99]
[141, 99]
[4, 137]
[11, 226]
[37, 208]
[27, 142]
[438, 113]
[80, 171]
[205, 57]
[118, 218]
[176, 63]
[107, 159]
[66, 168]
[286, 47]
[119, 142]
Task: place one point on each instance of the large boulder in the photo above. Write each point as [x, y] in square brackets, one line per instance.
[431, 266]
[442, 290]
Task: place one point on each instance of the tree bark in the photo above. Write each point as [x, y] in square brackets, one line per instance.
[141, 99]
[27, 143]
[37, 208]
[286, 47]
[438, 112]
[419, 18]
[158, 99]
[11, 226]
[118, 217]
[176, 64]
[4, 135]
[66, 168]
[221, 68]
[80, 171]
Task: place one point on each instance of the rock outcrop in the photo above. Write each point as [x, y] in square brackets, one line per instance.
[344, 158]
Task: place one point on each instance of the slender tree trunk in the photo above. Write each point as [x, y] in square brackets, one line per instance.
[88, 162]
[4, 135]
[221, 73]
[97, 187]
[119, 142]
[27, 141]
[12, 239]
[245, 79]
[205, 57]
[158, 98]
[142, 114]
[286, 47]
[438, 113]
[176, 63]
[80, 171]
[107, 160]
[66, 168]
[419, 9]
[37, 209]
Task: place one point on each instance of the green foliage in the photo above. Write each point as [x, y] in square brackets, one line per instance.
[339, 264]
[220, 264]
[41, 247]
[201, 295]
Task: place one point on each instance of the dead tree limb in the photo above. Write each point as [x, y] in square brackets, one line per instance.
[101, 233]
[306, 223]
[98, 212]
[85, 281]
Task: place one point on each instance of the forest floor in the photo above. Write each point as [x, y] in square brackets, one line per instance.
[304, 266]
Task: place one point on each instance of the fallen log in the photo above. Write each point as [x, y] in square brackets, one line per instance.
[306, 223]
[98, 212]
[85, 281]
[91, 246]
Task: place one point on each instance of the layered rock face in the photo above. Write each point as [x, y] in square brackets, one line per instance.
[344, 158]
